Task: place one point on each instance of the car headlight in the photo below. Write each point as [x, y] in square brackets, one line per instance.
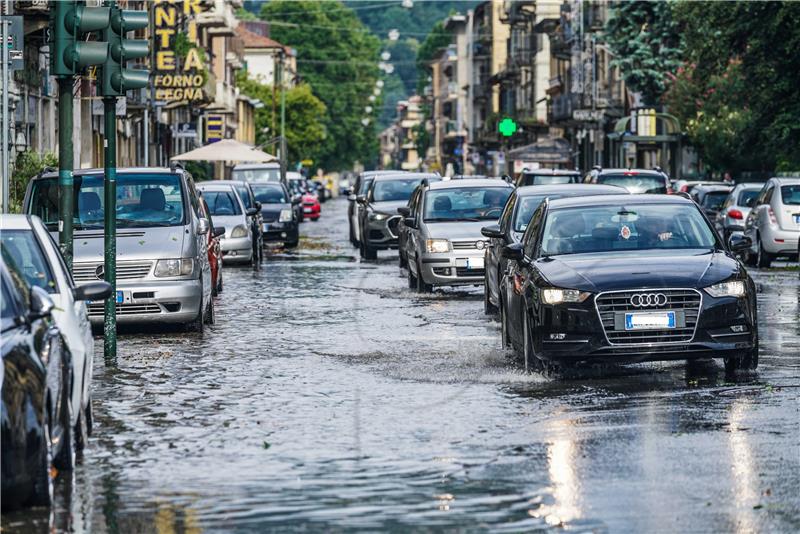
[437, 245]
[239, 231]
[731, 288]
[285, 216]
[180, 267]
[375, 216]
[555, 295]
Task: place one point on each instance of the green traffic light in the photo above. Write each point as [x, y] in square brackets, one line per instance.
[507, 127]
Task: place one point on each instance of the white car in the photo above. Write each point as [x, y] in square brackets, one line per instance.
[736, 208]
[28, 244]
[228, 211]
[773, 224]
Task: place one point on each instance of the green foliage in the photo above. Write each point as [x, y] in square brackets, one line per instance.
[27, 165]
[337, 57]
[646, 44]
[305, 117]
[244, 14]
[200, 170]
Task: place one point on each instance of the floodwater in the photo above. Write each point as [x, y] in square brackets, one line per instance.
[329, 396]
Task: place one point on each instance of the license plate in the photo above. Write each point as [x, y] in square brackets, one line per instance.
[649, 321]
[474, 263]
[266, 227]
[120, 297]
[797, 218]
[307, 210]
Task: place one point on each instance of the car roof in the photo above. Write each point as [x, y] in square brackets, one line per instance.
[570, 202]
[602, 189]
[382, 171]
[470, 182]
[552, 172]
[246, 166]
[278, 185]
[232, 182]
[787, 180]
[749, 185]
[216, 184]
[15, 222]
[405, 176]
[712, 188]
[121, 170]
[652, 172]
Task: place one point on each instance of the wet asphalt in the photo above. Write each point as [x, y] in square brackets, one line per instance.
[330, 397]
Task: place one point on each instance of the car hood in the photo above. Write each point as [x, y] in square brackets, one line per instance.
[229, 222]
[132, 244]
[457, 230]
[389, 207]
[639, 269]
[271, 212]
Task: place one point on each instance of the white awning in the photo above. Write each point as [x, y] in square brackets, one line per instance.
[226, 150]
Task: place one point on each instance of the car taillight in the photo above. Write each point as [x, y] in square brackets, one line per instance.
[772, 218]
[735, 214]
[684, 188]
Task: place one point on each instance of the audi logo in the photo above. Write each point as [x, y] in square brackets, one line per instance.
[479, 245]
[648, 300]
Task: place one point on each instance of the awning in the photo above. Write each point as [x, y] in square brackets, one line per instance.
[226, 150]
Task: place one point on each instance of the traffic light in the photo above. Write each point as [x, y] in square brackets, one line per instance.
[116, 79]
[71, 52]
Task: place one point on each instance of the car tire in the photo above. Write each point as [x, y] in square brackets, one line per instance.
[764, 258]
[291, 244]
[88, 416]
[504, 339]
[412, 280]
[65, 458]
[402, 261]
[219, 282]
[210, 314]
[745, 362]
[81, 432]
[351, 232]
[422, 287]
[42, 490]
[198, 323]
[368, 253]
[531, 361]
[488, 307]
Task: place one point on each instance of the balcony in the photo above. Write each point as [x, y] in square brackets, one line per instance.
[220, 19]
[561, 107]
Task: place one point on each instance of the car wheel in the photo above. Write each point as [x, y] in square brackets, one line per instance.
[764, 258]
[197, 324]
[215, 286]
[352, 234]
[219, 282]
[88, 416]
[412, 280]
[532, 363]
[745, 362]
[368, 253]
[81, 432]
[488, 307]
[65, 458]
[210, 315]
[402, 261]
[422, 287]
[503, 324]
[42, 481]
[290, 244]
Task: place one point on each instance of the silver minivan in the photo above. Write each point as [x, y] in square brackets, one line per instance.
[163, 274]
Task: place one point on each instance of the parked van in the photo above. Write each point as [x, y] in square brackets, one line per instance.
[163, 274]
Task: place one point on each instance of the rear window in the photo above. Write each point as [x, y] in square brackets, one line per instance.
[221, 203]
[244, 194]
[258, 175]
[790, 194]
[714, 199]
[269, 194]
[636, 183]
[745, 196]
[549, 179]
[394, 190]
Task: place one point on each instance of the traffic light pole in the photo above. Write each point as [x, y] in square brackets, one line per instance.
[110, 225]
[65, 166]
[284, 155]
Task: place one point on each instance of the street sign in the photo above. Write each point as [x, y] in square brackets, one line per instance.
[214, 130]
[507, 127]
[184, 130]
[15, 41]
[587, 115]
[122, 107]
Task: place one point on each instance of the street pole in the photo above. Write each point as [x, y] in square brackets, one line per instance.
[65, 166]
[110, 225]
[284, 155]
[6, 125]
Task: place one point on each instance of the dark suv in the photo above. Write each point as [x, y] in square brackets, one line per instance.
[636, 181]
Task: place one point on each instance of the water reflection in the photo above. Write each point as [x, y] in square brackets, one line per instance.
[562, 453]
[745, 481]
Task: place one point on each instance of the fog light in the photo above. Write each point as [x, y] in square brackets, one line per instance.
[739, 328]
[283, 234]
[557, 337]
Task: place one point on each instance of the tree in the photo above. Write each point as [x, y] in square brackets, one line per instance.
[645, 41]
[27, 165]
[305, 116]
[338, 57]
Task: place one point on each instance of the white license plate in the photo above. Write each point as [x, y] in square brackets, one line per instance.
[474, 263]
[307, 210]
[649, 321]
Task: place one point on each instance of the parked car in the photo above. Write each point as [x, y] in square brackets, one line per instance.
[163, 274]
[37, 259]
[773, 225]
[736, 208]
[252, 209]
[257, 172]
[31, 344]
[686, 186]
[636, 181]
[303, 192]
[710, 198]
[360, 187]
[227, 208]
[444, 245]
[213, 237]
[513, 223]
[278, 211]
[547, 177]
[628, 279]
[378, 217]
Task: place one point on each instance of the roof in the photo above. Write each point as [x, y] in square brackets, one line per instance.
[471, 182]
[710, 188]
[400, 175]
[600, 189]
[254, 40]
[627, 200]
[552, 172]
[787, 179]
[120, 170]
[215, 184]
[637, 171]
[379, 172]
[246, 166]
[15, 222]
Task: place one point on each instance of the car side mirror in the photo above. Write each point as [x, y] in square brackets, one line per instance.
[92, 291]
[351, 198]
[404, 211]
[361, 199]
[492, 231]
[513, 251]
[219, 231]
[251, 212]
[257, 205]
[410, 222]
[739, 242]
[41, 304]
[202, 226]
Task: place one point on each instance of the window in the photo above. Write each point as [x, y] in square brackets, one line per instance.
[222, 203]
[8, 306]
[394, 190]
[746, 195]
[527, 205]
[465, 204]
[549, 179]
[531, 234]
[257, 175]
[365, 183]
[244, 194]
[714, 199]
[28, 259]
[270, 194]
[635, 182]
[790, 194]
[768, 195]
[508, 211]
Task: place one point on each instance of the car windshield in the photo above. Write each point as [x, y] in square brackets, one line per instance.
[589, 229]
[297, 186]
[746, 195]
[394, 190]
[465, 203]
[790, 194]
[221, 203]
[28, 258]
[143, 200]
[244, 194]
[714, 199]
[635, 183]
[365, 183]
[257, 175]
[269, 194]
[548, 179]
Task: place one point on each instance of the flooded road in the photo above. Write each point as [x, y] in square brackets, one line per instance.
[329, 396]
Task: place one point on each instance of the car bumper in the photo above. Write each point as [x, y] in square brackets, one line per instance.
[575, 333]
[453, 268]
[382, 235]
[781, 242]
[167, 301]
[312, 212]
[280, 232]
[238, 249]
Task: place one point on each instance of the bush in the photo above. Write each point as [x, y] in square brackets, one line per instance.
[27, 165]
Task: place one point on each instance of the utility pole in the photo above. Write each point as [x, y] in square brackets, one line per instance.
[284, 155]
[5, 126]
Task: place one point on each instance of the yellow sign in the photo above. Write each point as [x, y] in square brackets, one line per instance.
[177, 77]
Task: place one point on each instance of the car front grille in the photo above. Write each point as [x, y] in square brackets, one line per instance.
[87, 272]
[392, 223]
[468, 273]
[612, 306]
[97, 310]
[466, 245]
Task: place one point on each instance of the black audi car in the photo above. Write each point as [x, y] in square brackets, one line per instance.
[279, 213]
[628, 278]
[513, 222]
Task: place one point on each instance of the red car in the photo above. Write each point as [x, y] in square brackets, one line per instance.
[214, 251]
[310, 205]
